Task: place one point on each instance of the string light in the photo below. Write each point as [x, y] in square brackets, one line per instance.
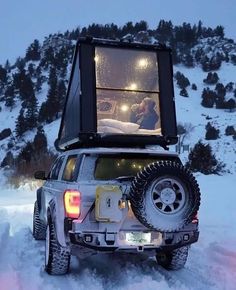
[142, 63]
[124, 108]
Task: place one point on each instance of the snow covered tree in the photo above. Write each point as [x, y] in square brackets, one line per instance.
[201, 159]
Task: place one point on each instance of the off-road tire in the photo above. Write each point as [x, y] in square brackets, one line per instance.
[58, 260]
[146, 197]
[174, 260]
[39, 227]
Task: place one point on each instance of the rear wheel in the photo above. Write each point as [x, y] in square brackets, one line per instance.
[39, 227]
[174, 260]
[57, 258]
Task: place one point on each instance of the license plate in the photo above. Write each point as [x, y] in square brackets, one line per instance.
[138, 238]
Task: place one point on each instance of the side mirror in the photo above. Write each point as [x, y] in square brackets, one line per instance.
[40, 175]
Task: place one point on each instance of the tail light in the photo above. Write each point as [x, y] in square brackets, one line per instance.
[195, 219]
[72, 203]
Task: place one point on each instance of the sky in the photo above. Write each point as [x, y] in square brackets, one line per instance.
[22, 21]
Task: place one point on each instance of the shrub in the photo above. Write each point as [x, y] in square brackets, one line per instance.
[211, 132]
[208, 98]
[182, 81]
[183, 93]
[212, 78]
[201, 159]
[230, 131]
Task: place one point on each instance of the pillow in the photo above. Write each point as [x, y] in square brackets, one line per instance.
[107, 129]
[125, 127]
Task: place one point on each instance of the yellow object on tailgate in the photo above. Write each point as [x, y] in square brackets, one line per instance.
[107, 203]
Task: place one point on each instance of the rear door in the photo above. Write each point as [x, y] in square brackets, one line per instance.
[52, 184]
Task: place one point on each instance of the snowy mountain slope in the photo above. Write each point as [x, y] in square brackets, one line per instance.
[211, 263]
[190, 110]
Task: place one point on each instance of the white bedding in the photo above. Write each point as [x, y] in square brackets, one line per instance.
[119, 127]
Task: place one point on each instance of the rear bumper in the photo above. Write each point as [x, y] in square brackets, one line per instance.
[110, 242]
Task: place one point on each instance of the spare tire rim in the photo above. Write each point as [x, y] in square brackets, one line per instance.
[168, 195]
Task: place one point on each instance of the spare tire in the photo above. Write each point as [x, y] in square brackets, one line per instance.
[165, 196]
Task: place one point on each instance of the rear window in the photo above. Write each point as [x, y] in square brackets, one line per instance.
[108, 167]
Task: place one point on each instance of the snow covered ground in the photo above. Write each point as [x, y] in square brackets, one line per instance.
[211, 263]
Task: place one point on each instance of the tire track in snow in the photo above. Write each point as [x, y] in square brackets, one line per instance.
[21, 265]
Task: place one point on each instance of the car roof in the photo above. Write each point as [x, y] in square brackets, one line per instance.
[102, 150]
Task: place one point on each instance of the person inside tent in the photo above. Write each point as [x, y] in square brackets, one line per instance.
[144, 114]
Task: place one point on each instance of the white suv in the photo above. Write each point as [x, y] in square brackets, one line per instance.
[105, 200]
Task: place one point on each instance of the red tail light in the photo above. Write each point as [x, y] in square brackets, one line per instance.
[72, 203]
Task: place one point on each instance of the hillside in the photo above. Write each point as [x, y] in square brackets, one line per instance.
[33, 90]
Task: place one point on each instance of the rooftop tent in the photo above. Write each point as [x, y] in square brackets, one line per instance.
[119, 93]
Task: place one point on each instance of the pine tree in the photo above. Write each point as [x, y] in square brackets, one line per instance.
[39, 79]
[8, 160]
[3, 75]
[21, 127]
[9, 97]
[31, 115]
[20, 63]
[50, 109]
[40, 141]
[26, 89]
[201, 159]
[31, 69]
[33, 51]
[7, 66]
[61, 91]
